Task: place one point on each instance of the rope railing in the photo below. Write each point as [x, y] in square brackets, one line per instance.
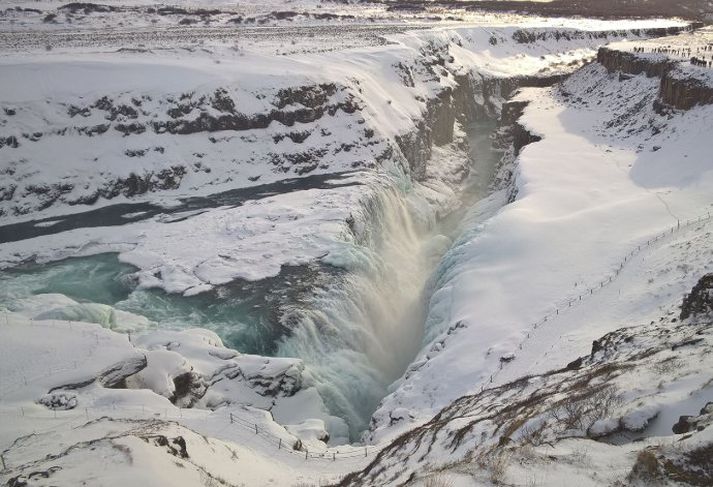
[297, 448]
[290, 445]
[607, 280]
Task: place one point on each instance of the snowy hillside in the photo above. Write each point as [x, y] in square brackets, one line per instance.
[605, 179]
[376, 260]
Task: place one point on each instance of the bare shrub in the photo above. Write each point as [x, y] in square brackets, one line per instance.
[531, 434]
[438, 480]
[646, 468]
[581, 411]
[498, 466]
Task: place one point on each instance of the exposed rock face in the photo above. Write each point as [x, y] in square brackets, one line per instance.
[114, 377]
[133, 185]
[189, 387]
[511, 133]
[529, 36]
[678, 89]
[475, 97]
[630, 63]
[133, 116]
[699, 303]
[174, 446]
[283, 379]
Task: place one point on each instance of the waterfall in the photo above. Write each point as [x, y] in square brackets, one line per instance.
[360, 333]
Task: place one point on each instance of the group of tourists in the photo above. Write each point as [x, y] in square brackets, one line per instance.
[699, 59]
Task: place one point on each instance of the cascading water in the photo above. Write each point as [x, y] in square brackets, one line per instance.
[356, 319]
[360, 334]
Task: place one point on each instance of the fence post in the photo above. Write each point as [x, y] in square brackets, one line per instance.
[365, 452]
[86, 412]
[279, 445]
[255, 428]
[306, 453]
[334, 457]
[2, 461]
[231, 418]
[22, 411]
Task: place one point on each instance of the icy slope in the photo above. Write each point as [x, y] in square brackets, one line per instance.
[627, 394]
[609, 174]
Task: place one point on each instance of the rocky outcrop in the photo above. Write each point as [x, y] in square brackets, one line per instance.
[679, 88]
[631, 63]
[682, 90]
[528, 36]
[699, 302]
[512, 133]
[475, 97]
[114, 377]
[133, 185]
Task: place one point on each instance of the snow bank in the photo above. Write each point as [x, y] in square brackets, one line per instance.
[606, 177]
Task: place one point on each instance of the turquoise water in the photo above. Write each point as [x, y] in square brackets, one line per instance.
[356, 320]
[243, 314]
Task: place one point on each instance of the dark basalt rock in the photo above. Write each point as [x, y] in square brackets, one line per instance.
[10, 141]
[175, 446]
[188, 388]
[629, 63]
[308, 96]
[575, 364]
[684, 92]
[682, 426]
[677, 89]
[699, 302]
[32, 477]
[86, 8]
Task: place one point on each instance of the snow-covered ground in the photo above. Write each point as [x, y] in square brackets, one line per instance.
[609, 175]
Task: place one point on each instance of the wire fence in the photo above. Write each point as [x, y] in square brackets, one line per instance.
[600, 285]
[297, 448]
[289, 443]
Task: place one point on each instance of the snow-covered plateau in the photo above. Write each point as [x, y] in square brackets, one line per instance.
[335, 244]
